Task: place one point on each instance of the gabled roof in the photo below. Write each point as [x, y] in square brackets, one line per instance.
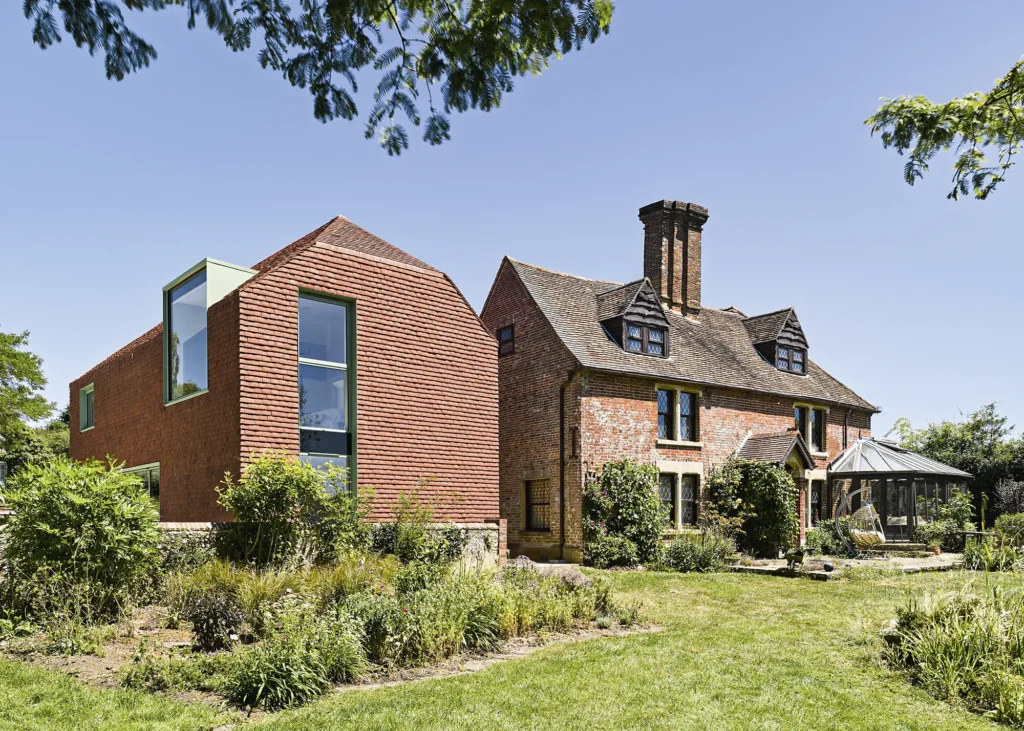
[338, 232]
[615, 302]
[880, 457]
[714, 349]
[766, 327]
[775, 448]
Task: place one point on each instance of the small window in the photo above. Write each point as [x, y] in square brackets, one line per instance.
[538, 505]
[790, 359]
[87, 408]
[646, 340]
[507, 340]
[666, 426]
[800, 421]
[687, 416]
[688, 499]
[667, 493]
[818, 430]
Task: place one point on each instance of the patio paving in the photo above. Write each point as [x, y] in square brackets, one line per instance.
[812, 567]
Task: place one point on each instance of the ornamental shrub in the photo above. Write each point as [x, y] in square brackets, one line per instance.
[622, 502]
[756, 501]
[82, 524]
[702, 552]
[824, 540]
[216, 621]
[287, 510]
[413, 534]
[1010, 527]
[987, 554]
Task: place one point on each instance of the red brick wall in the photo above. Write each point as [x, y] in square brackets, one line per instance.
[427, 400]
[529, 383]
[195, 441]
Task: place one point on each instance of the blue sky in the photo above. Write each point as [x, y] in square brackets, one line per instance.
[109, 190]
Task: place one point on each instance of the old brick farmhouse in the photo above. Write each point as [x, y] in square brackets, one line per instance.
[593, 371]
[340, 347]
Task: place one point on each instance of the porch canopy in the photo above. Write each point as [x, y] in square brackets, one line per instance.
[905, 488]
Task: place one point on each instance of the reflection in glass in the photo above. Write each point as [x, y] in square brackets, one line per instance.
[322, 397]
[186, 323]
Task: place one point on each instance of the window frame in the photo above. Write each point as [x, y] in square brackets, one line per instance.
[670, 414]
[818, 427]
[509, 341]
[673, 502]
[529, 486]
[84, 423]
[168, 326]
[350, 370]
[676, 522]
[790, 359]
[675, 409]
[645, 339]
[801, 428]
[145, 471]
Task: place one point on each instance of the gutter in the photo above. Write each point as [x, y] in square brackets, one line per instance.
[561, 465]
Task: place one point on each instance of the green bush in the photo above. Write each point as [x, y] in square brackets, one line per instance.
[825, 540]
[703, 552]
[287, 510]
[1010, 528]
[305, 653]
[151, 671]
[216, 621]
[965, 647]
[413, 534]
[622, 502]
[83, 524]
[757, 501]
[987, 554]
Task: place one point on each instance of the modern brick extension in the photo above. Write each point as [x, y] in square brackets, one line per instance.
[582, 365]
[423, 409]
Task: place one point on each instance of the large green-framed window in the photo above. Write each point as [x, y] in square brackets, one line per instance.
[326, 381]
[186, 354]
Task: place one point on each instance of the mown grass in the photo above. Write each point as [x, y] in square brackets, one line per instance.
[735, 652]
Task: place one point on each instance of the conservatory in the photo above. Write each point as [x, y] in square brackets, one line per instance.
[904, 488]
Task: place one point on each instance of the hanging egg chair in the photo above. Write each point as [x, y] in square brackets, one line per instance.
[864, 525]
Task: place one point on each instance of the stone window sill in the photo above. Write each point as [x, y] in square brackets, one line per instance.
[677, 443]
[536, 533]
[820, 455]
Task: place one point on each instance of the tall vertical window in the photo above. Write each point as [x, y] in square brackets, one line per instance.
[537, 511]
[800, 421]
[667, 493]
[666, 425]
[507, 340]
[818, 430]
[186, 338]
[324, 388]
[817, 501]
[87, 408]
[687, 416]
[688, 499]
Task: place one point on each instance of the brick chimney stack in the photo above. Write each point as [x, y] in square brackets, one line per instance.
[672, 231]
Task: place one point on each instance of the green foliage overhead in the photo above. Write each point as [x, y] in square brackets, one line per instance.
[461, 54]
[621, 503]
[21, 380]
[84, 524]
[971, 125]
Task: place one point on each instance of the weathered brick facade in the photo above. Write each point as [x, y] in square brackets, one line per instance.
[561, 417]
[426, 384]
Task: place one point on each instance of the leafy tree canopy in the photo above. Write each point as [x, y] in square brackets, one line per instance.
[462, 53]
[981, 443]
[972, 125]
[21, 380]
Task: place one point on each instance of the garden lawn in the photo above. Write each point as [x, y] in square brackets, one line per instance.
[735, 652]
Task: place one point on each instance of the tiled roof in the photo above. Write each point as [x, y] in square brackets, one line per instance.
[763, 328]
[338, 232]
[615, 301]
[714, 348]
[774, 448]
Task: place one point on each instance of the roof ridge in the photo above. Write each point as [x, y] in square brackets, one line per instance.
[773, 312]
[622, 286]
[564, 274]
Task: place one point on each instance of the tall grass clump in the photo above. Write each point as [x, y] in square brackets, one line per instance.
[704, 552]
[965, 647]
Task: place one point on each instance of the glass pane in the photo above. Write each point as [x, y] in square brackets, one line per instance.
[817, 424]
[664, 401]
[667, 493]
[635, 346]
[317, 441]
[322, 330]
[688, 499]
[505, 334]
[798, 356]
[322, 397]
[154, 483]
[783, 353]
[685, 403]
[505, 347]
[782, 364]
[186, 316]
[663, 427]
[320, 462]
[90, 408]
[798, 367]
[654, 348]
[655, 336]
[634, 331]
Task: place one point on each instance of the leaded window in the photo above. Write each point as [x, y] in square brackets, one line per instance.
[687, 416]
[817, 499]
[644, 339]
[688, 499]
[817, 441]
[667, 493]
[538, 505]
[666, 427]
[790, 359]
[800, 421]
[634, 338]
[655, 341]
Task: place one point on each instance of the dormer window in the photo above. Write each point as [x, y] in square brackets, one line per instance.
[645, 339]
[790, 359]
